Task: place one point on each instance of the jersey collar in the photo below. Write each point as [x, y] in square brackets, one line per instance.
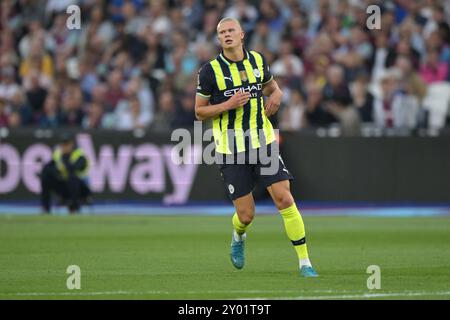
[228, 61]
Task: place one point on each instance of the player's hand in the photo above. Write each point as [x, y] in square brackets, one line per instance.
[239, 99]
[273, 103]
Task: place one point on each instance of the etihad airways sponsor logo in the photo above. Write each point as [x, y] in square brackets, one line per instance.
[253, 89]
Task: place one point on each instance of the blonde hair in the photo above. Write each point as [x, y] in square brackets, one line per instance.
[229, 19]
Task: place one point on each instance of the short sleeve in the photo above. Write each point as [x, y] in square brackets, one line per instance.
[267, 75]
[205, 81]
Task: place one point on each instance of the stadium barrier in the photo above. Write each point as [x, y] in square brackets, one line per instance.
[138, 166]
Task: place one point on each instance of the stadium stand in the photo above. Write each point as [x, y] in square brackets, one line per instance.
[133, 63]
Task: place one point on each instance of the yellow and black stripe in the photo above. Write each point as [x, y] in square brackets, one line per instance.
[74, 157]
[250, 125]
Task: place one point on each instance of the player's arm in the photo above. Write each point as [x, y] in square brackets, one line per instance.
[274, 94]
[270, 90]
[204, 110]
[271, 87]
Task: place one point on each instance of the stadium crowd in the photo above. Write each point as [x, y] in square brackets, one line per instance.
[133, 63]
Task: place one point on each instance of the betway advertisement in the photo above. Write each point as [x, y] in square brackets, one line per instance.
[129, 166]
[122, 166]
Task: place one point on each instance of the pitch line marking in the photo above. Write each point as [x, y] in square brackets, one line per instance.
[354, 296]
[122, 292]
[336, 296]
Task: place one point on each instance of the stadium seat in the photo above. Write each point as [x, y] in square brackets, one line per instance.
[437, 103]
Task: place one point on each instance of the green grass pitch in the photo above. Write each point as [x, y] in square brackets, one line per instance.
[186, 257]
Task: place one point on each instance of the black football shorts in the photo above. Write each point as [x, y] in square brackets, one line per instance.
[240, 179]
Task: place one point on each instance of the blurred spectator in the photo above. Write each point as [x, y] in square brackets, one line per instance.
[293, 114]
[264, 39]
[411, 30]
[406, 109]
[396, 107]
[51, 117]
[59, 5]
[192, 12]
[72, 102]
[63, 40]
[410, 79]
[288, 64]
[354, 53]
[337, 102]
[133, 21]
[318, 14]
[116, 8]
[348, 117]
[136, 86]
[296, 31]
[7, 52]
[383, 105]
[336, 88]
[14, 119]
[438, 21]
[318, 57]
[87, 76]
[403, 47]
[436, 42]
[185, 113]
[165, 116]
[153, 65]
[269, 11]
[4, 116]
[243, 11]
[377, 62]
[98, 95]
[210, 21]
[176, 17]
[115, 91]
[97, 33]
[36, 35]
[204, 53]
[22, 110]
[8, 86]
[181, 63]
[363, 100]
[94, 117]
[129, 115]
[433, 70]
[316, 112]
[158, 16]
[21, 12]
[37, 61]
[36, 93]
